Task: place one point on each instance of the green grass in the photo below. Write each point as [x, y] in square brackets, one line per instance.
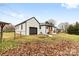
[69, 37]
[9, 43]
[34, 38]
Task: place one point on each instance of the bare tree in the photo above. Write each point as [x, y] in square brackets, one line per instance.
[52, 21]
[9, 27]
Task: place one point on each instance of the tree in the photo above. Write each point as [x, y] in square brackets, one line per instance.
[9, 28]
[73, 29]
[46, 22]
[52, 21]
[70, 29]
[76, 28]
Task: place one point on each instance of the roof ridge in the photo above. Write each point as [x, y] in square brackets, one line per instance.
[27, 20]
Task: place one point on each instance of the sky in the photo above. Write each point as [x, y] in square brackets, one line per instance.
[18, 12]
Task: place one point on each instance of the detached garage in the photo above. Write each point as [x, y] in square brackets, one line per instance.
[28, 27]
[32, 30]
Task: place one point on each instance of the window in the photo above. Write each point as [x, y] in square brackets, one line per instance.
[40, 27]
[21, 26]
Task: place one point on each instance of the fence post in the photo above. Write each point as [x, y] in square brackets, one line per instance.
[2, 32]
[14, 34]
[20, 34]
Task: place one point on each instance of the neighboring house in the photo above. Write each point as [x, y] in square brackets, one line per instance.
[32, 26]
[46, 28]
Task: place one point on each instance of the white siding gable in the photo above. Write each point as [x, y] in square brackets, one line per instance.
[19, 30]
[32, 23]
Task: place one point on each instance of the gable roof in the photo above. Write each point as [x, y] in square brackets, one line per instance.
[26, 21]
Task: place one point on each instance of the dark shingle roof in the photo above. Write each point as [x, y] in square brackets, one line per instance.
[26, 21]
[46, 24]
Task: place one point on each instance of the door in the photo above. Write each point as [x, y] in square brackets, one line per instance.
[32, 30]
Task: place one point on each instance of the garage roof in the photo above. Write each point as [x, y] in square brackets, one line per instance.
[27, 20]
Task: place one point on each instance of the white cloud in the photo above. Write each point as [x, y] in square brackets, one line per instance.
[70, 3]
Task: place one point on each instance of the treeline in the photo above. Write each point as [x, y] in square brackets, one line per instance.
[73, 29]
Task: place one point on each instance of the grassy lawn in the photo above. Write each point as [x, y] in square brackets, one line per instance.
[5, 45]
[9, 42]
[69, 37]
[8, 35]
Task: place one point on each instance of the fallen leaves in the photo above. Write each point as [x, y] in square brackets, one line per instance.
[62, 48]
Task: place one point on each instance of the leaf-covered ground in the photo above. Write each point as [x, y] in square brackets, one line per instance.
[62, 48]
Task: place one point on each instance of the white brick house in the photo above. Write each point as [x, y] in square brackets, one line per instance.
[32, 26]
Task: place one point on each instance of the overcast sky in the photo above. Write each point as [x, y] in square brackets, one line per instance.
[61, 12]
